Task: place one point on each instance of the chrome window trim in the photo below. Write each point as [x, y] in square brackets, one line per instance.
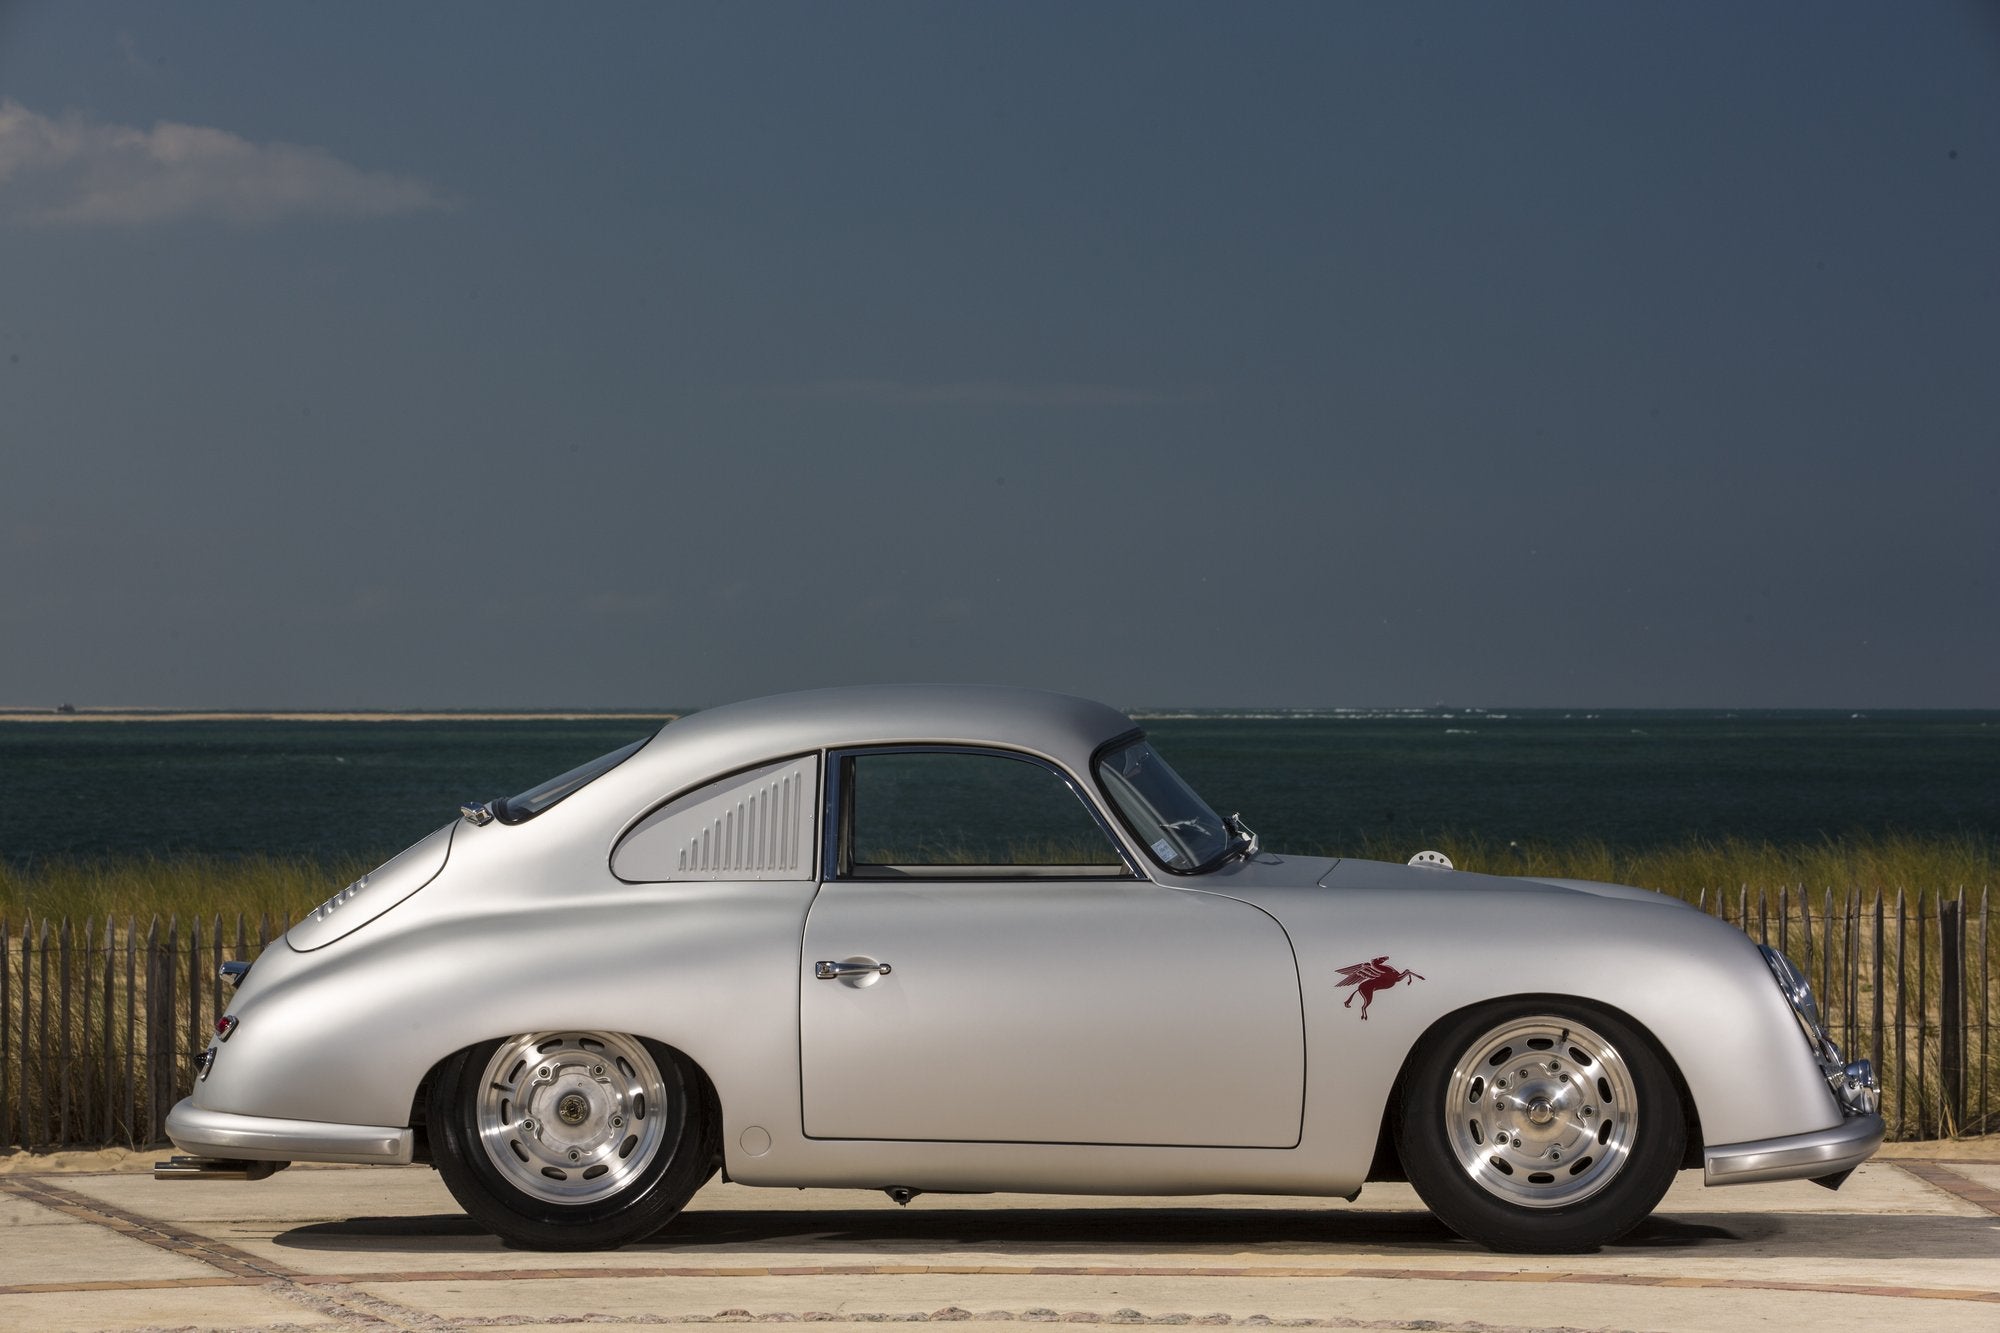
[1096, 759]
[836, 813]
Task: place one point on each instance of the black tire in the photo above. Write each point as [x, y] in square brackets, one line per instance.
[1540, 1126]
[620, 1088]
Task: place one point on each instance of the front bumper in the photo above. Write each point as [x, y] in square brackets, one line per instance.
[259, 1138]
[1824, 1152]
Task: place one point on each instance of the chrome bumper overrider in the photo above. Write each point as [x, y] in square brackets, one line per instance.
[1824, 1152]
[265, 1139]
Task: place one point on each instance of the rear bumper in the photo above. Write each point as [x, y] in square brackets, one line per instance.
[259, 1138]
[1824, 1152]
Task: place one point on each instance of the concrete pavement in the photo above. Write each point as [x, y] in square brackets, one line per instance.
[330, 1249]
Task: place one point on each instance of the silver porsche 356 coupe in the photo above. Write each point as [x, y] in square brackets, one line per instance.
[980, 939]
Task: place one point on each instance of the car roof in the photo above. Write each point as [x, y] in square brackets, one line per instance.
[1061, 727]
[716, 742]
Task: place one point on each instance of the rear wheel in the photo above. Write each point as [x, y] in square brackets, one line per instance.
[1546, 1126]
[570, 1140]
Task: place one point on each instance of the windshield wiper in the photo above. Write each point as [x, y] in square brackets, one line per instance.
[1242, 842]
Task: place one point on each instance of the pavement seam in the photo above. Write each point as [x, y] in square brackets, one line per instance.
[1952, 1182]
[160, 1235]
[332, 1299]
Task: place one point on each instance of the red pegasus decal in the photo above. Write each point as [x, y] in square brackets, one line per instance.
[1371, 976]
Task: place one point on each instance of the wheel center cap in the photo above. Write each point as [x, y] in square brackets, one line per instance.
[572, 1109]
[1539, 1111]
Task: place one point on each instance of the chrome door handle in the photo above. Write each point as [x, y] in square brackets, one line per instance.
[835, 971]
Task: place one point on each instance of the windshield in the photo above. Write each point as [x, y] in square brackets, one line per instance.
[1163, 812]
[515, 809]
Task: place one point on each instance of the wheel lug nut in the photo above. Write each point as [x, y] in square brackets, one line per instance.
[597, 1071]
[576, 1154]
[1500, 1085]
[1563, 1077]
[545, 1072]
[618, 1122]
[528, 1125]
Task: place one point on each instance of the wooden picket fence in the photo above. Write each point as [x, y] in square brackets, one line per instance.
[100, 1026]
[1904, 979]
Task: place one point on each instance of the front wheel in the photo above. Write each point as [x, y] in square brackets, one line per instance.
[1544, 1126]
[570, 1140]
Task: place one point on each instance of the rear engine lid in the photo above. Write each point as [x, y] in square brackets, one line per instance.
[374, 893]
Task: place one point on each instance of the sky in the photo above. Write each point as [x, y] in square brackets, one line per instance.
[380, 355]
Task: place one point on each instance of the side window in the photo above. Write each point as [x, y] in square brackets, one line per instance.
[752, 825]
[945, 814]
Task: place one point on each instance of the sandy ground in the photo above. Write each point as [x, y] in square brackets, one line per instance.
[88, 1242]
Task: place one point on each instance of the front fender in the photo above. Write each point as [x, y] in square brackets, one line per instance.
[1697, 985]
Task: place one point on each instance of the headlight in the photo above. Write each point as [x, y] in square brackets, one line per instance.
[1853, 1085]
[1797, 989]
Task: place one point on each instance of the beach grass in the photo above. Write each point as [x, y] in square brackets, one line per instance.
[186, 886]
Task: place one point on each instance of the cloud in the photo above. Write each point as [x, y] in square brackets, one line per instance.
[78, 172]
[986, 393]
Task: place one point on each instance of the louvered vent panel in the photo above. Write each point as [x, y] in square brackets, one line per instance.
[755, 825]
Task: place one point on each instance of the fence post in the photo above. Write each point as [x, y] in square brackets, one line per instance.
[132, 1027]
[110, 1013]
[194, 1030]
[215, 981]
[1875, 1051]
[84, 1050]
[159, 1027]
[1985, 1012]
[1902, 1070]
[25, 1093]
[6, 1036]
[27, 1044]
[1850, 939]
[42, 1036]
[1951, 1016]
[1924, 1108]
[62, 1035]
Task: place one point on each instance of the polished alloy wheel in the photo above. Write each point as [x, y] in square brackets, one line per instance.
[571, 1117]
[1541, 1112]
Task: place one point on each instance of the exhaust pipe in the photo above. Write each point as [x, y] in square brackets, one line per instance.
[181, 1167]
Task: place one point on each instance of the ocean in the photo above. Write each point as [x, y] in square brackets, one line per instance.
[1319, 781]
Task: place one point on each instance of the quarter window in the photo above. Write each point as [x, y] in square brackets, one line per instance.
[948, 814]
[753, 825]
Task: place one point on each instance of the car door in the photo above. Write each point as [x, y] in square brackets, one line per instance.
[982, 964]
